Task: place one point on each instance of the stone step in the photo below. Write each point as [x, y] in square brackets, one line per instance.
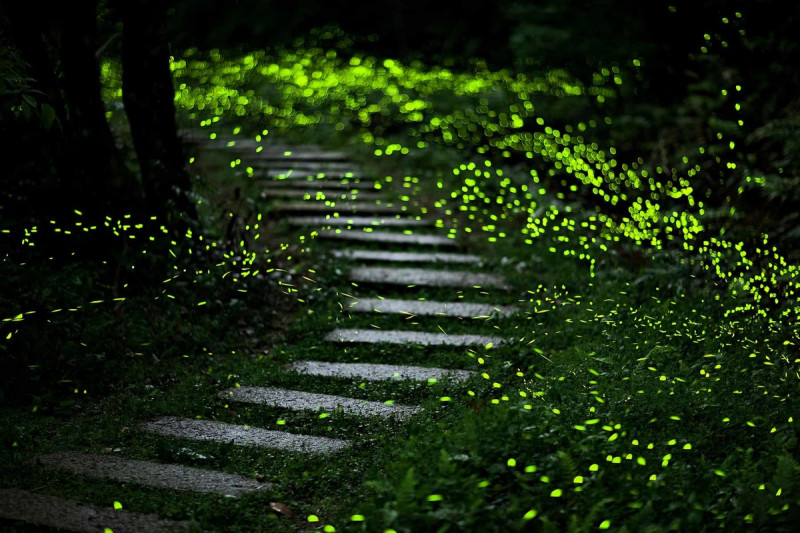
[201, 137]
[303, 174]
[374, 336]
[158, 475]
[339, 207]
[377, 372]
[291, 155]
[387, 237]
[347, 185]
[69, 515]
[269, 151]
[307, 401]
[428, 308]
[246, 146]
[326, 194]
[406, 257]
[426, 277]
[257, 162]
[279, 148]
[356, 221]
[209, 430]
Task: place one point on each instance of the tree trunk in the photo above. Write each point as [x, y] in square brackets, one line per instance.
[106, 181]
[90, 170]
[148, 95]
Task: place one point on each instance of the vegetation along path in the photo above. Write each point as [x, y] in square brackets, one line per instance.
[343, 207]
[399, 296]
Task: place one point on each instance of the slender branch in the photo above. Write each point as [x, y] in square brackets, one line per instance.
[106, 45]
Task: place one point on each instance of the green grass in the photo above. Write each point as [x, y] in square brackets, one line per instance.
[646, 386]
[614, 377]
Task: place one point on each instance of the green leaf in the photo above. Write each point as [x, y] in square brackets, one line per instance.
[29, 100]
[48, 115]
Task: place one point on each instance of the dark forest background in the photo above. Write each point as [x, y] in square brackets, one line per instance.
[52, 113]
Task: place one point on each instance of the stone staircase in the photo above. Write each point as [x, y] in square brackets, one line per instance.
[329, 194]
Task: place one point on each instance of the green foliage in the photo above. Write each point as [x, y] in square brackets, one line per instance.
[18, 98]
[650, 383]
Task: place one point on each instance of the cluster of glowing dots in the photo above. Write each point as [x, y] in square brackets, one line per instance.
[648, 207]
[495, 120]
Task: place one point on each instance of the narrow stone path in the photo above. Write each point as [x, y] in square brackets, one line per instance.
[301, 155]
[316, 177]
[385, 237]
[316, 172]
[50, 511]
[150, 474]
[407, 257]
[321, 194]
[339, 207]
[410, 337]
[428, 308]
[209, 430]
[378, 372]
[357, 221]
[299, 401]
[316, 183]
[426, 277]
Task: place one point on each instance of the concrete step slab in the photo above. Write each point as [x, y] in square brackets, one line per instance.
[158, 475]
[291, 155]
[406, 257]
[69, 515]
[375, 336]
[209, 430]
[387, 237]
[427, 308]
[347, 185]
[201, 137]
[339, 207]
[281, 148]
[256, 161]
[357, 221]
[308, 401]
[278, 150]
[320, 194]
[426, 277]
[305, 173]
[378, 372]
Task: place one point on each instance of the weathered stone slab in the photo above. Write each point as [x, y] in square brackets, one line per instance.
[305, 173]
[297, 155]
[376, 372]
[281, 148]
[406, 257]
[243, 146]
[387, 237]
[294, 167]
[427, 308]
[374, 336]
[189, 428]
[347, 185]
[340, 207]
[51, 511]
[320, 194]
[158, 475]
[356, 221]
[308, 401]
[297, 165]
[201, 137]
[277, 150]
[426, 277]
